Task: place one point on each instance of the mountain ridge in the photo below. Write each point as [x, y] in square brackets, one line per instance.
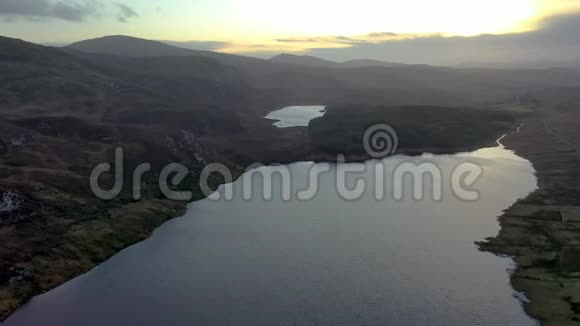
[122, 45]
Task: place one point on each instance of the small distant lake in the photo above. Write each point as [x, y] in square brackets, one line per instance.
[296, 116]
[325, 261]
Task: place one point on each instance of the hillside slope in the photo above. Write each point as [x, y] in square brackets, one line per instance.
[131, 47]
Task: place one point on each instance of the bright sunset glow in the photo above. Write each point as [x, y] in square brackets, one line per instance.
[327, 17]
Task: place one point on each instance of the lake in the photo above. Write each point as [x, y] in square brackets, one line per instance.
[296, 116]
[323, 261]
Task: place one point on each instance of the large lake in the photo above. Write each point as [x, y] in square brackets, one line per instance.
[326, 261]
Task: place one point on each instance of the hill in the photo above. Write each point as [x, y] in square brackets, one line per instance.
[374, 63]
[131, 47]
[306, 79]
[304, 60]
[127, 46]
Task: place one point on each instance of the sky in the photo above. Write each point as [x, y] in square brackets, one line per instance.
[451, 31]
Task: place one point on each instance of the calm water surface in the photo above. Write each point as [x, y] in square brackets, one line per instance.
[321, 262]
[296, 116]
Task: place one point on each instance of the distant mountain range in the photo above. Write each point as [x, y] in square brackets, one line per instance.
[315, 80]
[127, 46]
[522, 64]
[306, 60]
[135, 47]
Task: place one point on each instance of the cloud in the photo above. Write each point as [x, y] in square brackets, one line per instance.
[125, 12]
[352, 40]
[74, 11]
[381, 34]
[555, 42]
[71, 10]
[321, 39]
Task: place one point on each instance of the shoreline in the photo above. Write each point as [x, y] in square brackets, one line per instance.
[534, 231]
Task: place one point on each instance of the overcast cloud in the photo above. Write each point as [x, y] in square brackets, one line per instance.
[35, 9]
[557, 41]
[69, 10]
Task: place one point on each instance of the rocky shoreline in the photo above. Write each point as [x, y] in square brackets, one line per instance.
[542, 231]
